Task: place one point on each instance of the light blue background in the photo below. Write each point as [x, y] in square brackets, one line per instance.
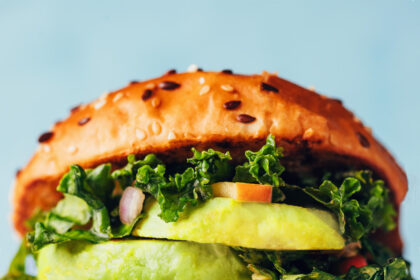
[56, 54]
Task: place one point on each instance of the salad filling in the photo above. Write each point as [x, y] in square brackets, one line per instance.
[103, 204]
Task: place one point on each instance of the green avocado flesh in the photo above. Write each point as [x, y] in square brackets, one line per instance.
[245, 224]
[139, 259]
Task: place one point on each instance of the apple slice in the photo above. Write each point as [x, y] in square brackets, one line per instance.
[243, 191]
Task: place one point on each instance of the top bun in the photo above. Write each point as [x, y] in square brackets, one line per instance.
[175, 112]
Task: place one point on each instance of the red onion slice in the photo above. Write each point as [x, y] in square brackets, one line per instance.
[131, 204]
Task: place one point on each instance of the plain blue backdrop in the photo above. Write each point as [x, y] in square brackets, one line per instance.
[56, 54]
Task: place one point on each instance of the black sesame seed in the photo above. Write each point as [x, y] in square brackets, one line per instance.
[244, 118]
[168, 85]
[227, 71]
[147, 94]
[75, 108]
[45, 137]
[18, 172]
[84, 121]
[134, 82]
[337, 100]
[232, 105]
[199, 69]
[170, 72]
[267, 87]
[363, 140]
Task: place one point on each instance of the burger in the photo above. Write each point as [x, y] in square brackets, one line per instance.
[210, 175]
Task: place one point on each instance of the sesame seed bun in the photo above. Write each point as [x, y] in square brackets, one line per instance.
[221, 110]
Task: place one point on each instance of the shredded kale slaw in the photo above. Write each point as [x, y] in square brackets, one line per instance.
[89, 209]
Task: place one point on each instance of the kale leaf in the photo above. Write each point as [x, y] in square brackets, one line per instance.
[263, 167]
[100, 182]
[82, 214]
[395, 269]
[272, 265]
[361, 204]
[211, 166]
[376, 196]
[75, 183]
[175, 193]
[126, 175]
[281, 263]
[378, 252]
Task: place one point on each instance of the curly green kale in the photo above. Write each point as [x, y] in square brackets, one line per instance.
[276, 265]
[361, 204]
[175, 193]
[263, 167]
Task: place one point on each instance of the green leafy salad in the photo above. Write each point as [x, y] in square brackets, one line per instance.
[90, 211]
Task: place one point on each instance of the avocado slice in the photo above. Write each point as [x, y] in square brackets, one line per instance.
[246, 224]
[139, 259]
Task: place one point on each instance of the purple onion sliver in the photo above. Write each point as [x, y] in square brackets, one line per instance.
[131, 204]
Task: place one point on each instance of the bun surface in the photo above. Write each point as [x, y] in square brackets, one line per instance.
[175, 112]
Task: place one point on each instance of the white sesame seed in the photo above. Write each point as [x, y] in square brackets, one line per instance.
[46, 148]
[104, 95]
[150, 86]
[192, 68]
[171, 135]
[117, 97]
[205, 89]
[308, 133]
[140, 134]
[155, 102]
[201, 80]
[99, 104]
[227, 88]
[72, 149]
[156, 128]
[311, 88]
[356, 119]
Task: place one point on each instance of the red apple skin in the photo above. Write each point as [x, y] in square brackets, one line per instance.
[244, 192]
[254, 192]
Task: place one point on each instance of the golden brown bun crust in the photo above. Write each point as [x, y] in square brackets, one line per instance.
[170, 122]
